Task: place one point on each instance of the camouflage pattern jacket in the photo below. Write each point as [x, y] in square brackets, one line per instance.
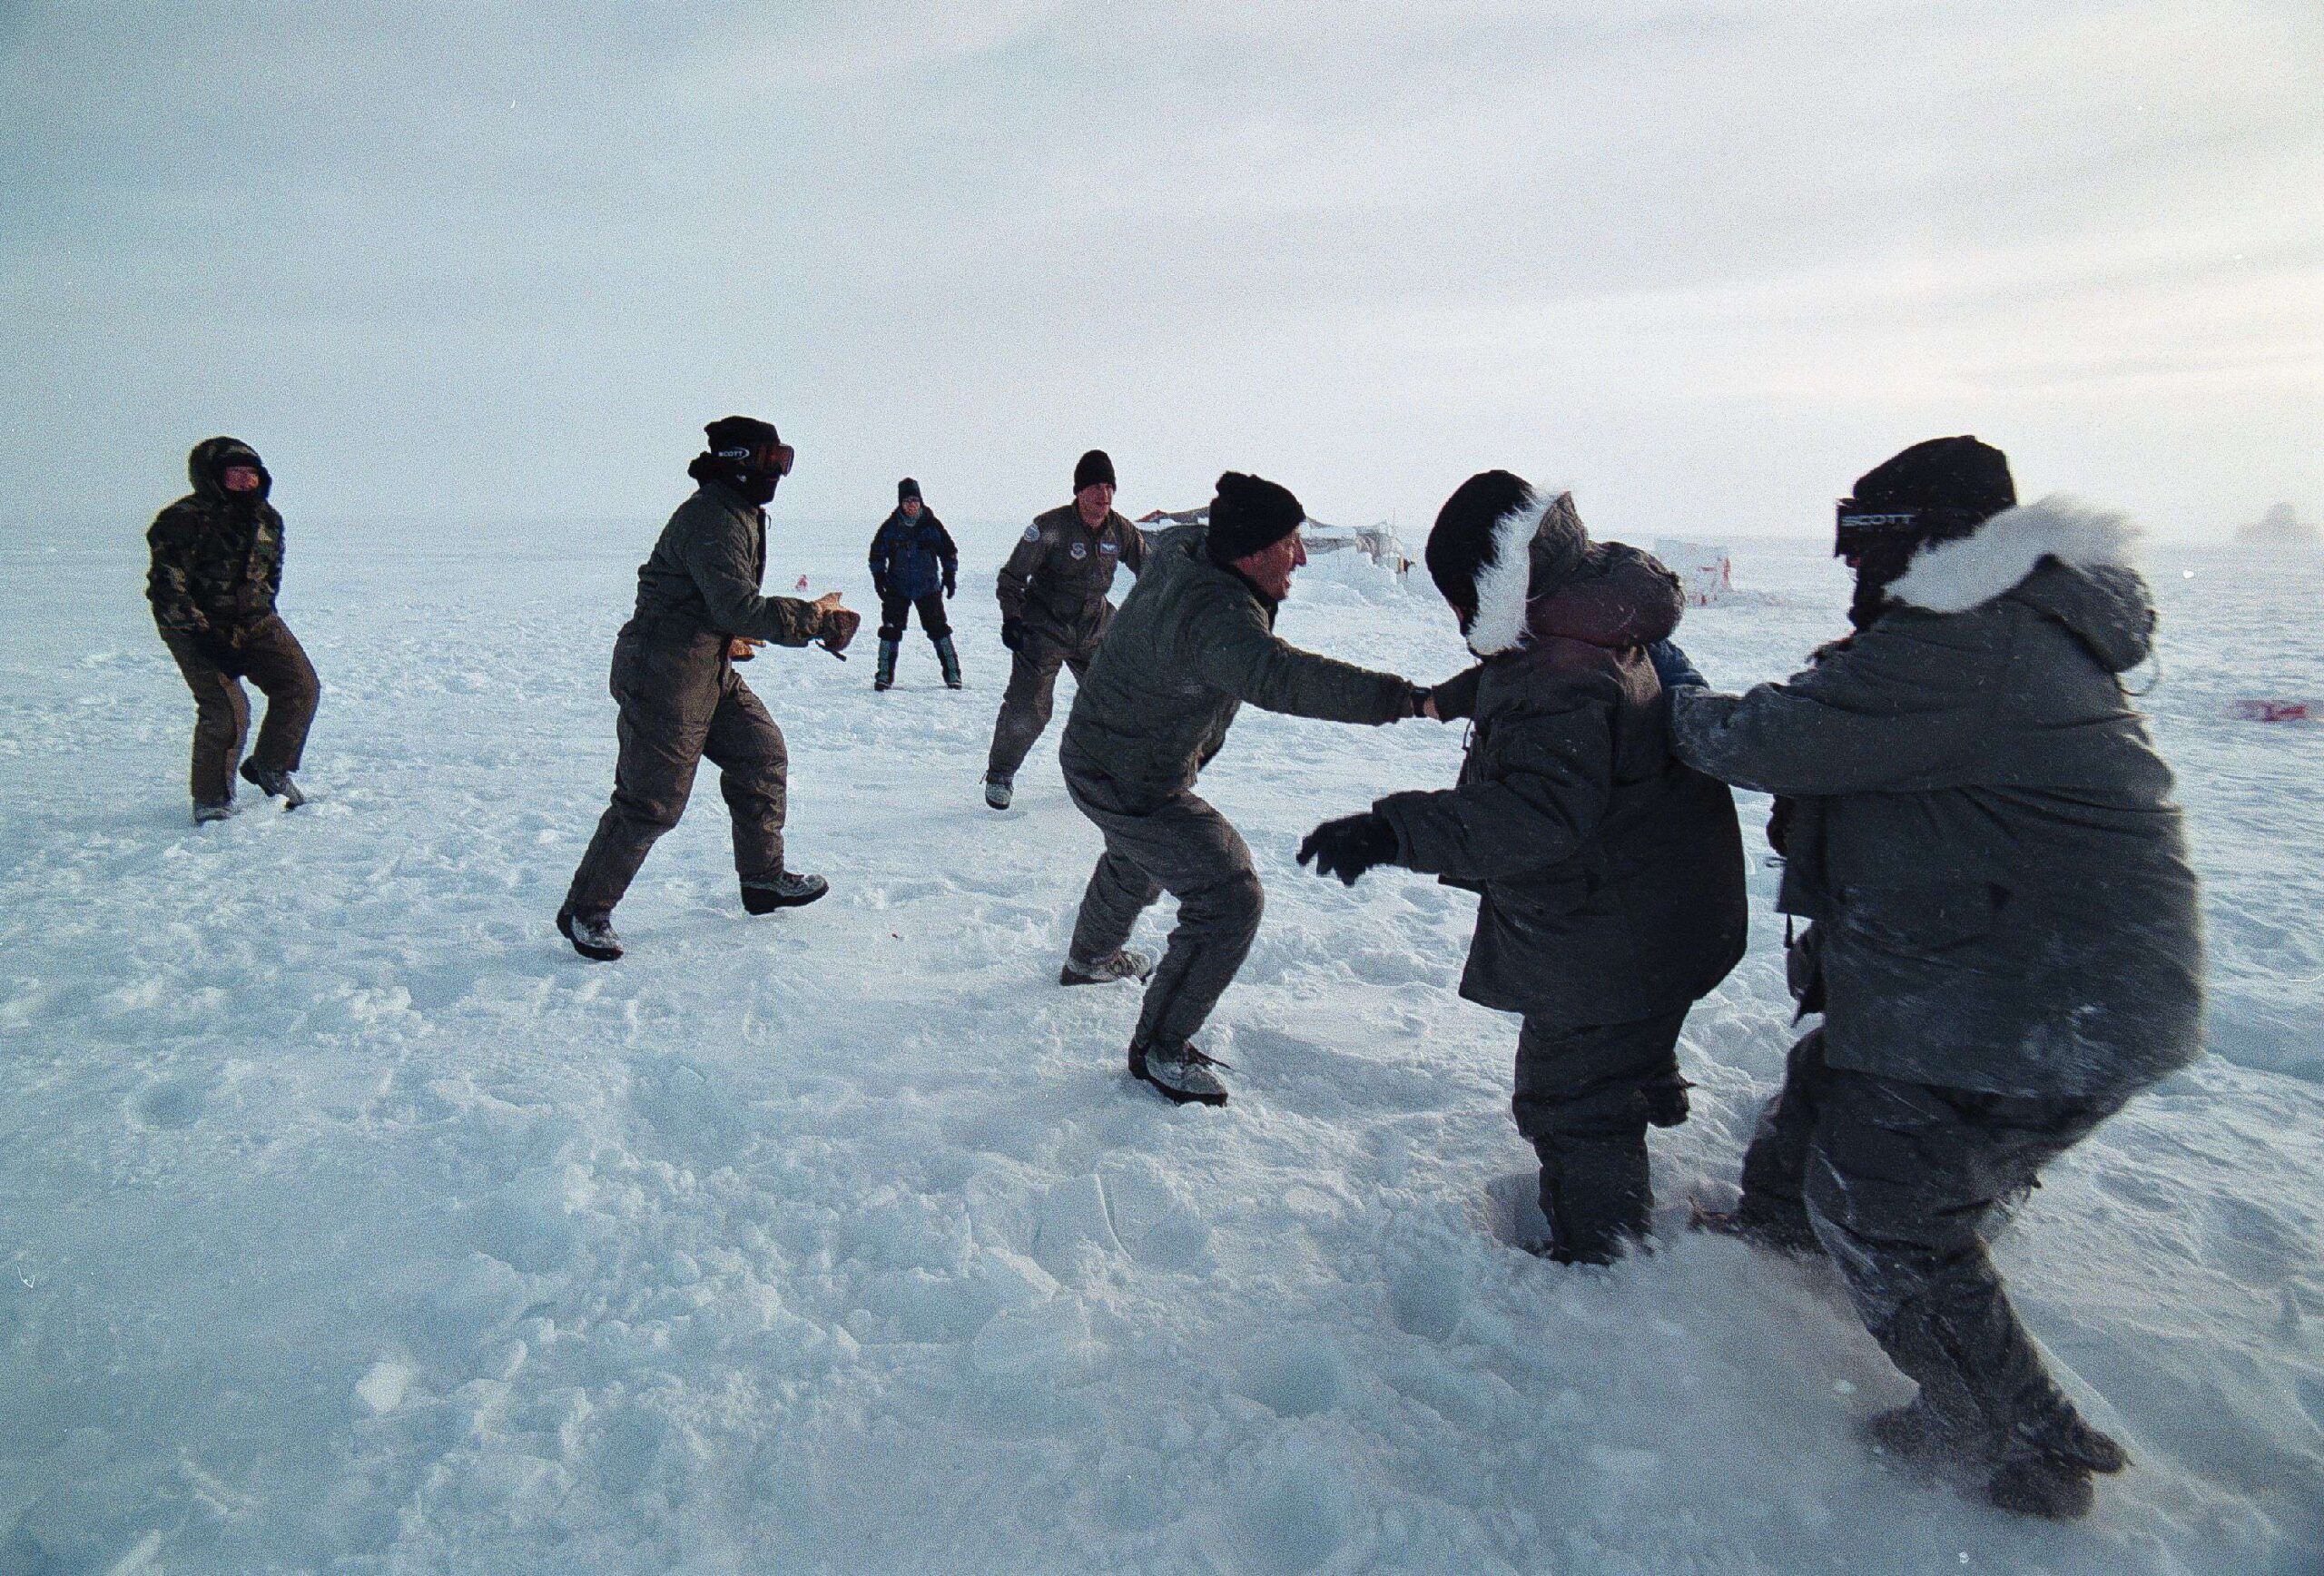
[217, 559]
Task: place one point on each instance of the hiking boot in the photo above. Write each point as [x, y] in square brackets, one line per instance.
[1126, 963]
[218, 811]
[592, 935]
[998, 791]
[274, 782]
[788, 890]
[1180, 1072]
[885, 673]
[951, 661]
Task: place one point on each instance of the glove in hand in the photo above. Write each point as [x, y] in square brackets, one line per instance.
[1349, 846]
[839, 625]
[1012, 632]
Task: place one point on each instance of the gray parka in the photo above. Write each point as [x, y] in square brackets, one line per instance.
[1057, 578]
[1986, 836]
[702, 576]
[1191, 643]
[1611, 874]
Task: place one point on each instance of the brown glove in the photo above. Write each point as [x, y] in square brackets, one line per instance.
[838, 627]
[738, 649]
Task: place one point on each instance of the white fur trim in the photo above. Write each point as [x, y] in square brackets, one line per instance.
[1970, 571]
[1504, 583]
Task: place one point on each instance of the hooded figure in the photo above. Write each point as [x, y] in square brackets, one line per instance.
[1610, 875]
[2004, 939]
[217, 568]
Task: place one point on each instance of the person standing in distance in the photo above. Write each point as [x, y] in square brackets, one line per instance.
[217, 568]
[914, 565]
[1194, 641]
[1053, 610]
[700, 612]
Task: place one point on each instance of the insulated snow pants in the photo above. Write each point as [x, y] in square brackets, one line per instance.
[1186, 848]
[681, 704]
[1026, 705]
[1901, 1183]
[895, 612]
[1584, 1100]
[270, 657]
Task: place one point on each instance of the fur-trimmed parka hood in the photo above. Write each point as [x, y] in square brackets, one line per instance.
[2075, 562]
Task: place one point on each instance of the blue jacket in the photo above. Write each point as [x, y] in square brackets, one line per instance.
[913, 559]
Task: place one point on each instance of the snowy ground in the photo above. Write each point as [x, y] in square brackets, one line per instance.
[350, 1222]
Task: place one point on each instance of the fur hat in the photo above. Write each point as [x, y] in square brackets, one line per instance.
[1093, 467]
[1250, 515]
[1497, 544]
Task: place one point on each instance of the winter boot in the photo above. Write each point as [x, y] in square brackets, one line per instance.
[885, 673]
[1595, 1197]
[274, 783]
[218, 811]
[1666, 1100]
[1126, 963]
[592, 935]
[788, 890]
[2037, 1482]
[998, 791]
[950, 659]
[1180, 1072]
[1917, 1434]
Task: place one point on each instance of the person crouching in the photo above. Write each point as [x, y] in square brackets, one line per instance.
[1610, 875]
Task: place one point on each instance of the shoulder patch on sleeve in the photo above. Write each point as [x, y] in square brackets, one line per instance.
[1033, 532]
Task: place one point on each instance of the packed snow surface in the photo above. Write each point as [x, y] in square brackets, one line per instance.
[350, 1222]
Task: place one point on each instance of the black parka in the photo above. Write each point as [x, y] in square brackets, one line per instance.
[1611, 874]
[1984, 834]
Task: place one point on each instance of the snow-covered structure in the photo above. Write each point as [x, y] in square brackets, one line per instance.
[1379, 543]
[1706, 569]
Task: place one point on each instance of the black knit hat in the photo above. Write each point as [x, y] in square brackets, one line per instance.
[906, 489]
[1250, 515]
[747, 433]
[1958, 473]
[1095, 466]
[1497, 544]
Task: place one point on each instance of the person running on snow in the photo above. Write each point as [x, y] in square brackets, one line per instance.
[914, 565]
[1053, 610]
[1610, 875]
[217, 569]
[1194, 641]
[700, 612]
[2006, 939]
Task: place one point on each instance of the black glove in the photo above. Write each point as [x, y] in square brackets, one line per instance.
[879, 588]
[1012, 634]
[1349, 846]
[951, 583]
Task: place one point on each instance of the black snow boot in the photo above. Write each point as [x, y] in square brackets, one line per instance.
[950, 659]
[788, 890]
[274, 783]
[1180, 1072]
[2046, 1466]
[1917, 1434]
[207, 812]
[592, 935]
[885, 673]
[1595, 1197]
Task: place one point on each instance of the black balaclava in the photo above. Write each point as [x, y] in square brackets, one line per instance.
[1935, 491]
[738, 444]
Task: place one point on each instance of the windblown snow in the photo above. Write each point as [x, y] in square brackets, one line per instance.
[350, 1223]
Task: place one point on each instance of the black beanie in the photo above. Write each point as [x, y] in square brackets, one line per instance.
[1956, 475]
[1498, 544]
[732, 460]
[748, 433]
[1250, 515]
[1095, 466]
[905, 490]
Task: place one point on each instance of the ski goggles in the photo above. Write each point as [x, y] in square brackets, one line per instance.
[1857, 527]
[775, 460]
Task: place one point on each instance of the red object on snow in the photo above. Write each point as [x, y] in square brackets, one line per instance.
[802, 584]
[2265, 711]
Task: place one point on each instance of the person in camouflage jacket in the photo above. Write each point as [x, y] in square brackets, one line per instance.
[216, 571]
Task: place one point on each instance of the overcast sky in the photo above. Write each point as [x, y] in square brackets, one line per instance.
[1703, 262]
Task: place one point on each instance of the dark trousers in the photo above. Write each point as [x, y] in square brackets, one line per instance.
[682, 704]
[1585, 1097]
[270, 657]
[1186, 848]
[1902, 1183]
[1025, 705]
[895, 612]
